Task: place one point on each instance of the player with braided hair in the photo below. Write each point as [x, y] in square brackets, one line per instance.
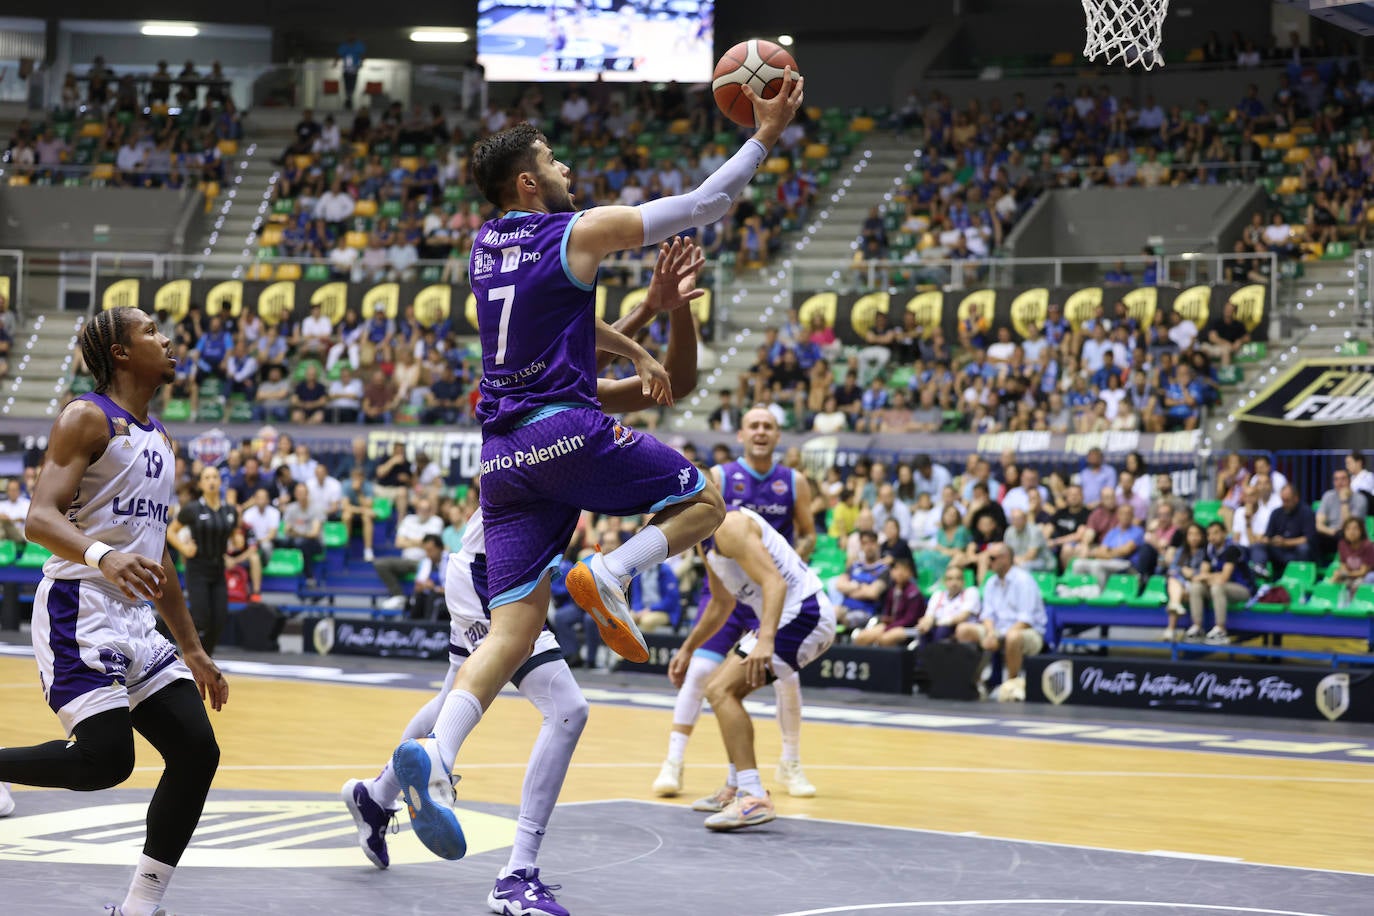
[102, 506]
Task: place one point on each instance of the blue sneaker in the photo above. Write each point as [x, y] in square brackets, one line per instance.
[427, 787]
[372, 820]
[523, 894]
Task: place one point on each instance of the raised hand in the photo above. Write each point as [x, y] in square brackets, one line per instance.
[777, 112]
[675, 275]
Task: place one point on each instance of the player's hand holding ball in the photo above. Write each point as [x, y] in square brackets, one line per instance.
[756, 84]
[139, 578]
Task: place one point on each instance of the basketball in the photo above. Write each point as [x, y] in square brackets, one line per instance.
[756, 62]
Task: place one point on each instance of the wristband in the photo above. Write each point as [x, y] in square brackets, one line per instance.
[96, 552]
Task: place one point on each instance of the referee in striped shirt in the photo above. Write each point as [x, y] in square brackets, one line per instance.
[201, 533]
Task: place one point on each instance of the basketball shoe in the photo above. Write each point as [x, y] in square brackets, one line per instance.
[114, 910]
[669, 781]
[6, 800]
[712, 803]
[794, 780]
[744, 811]
[601, 595]
[372, 819]
[523, 894]
[427, 787]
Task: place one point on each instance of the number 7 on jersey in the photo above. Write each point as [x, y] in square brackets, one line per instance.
[506, 296]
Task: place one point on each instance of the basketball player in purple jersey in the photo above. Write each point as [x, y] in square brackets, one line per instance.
[782, 497]
[102, 506]
[548, 451]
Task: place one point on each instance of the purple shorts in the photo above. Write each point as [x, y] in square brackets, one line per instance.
[740, 621]
[537, 478]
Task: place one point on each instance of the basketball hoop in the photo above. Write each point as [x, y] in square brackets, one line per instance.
[1125, 31]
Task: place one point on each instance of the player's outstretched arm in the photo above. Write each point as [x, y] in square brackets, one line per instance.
[78, 438]
[171, 607]
[653, 378]
[602, 230]
[672, 285]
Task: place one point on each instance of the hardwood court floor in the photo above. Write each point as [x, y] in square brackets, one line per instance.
[310, 737]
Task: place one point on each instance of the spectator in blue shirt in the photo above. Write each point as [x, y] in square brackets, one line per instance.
[1291, 534]
[568, 617]
[213, 348]
[1183, 399]
[1118, 275]
[1119, 551]
[655, 599]
[350, 55]
[1109, 368]
[862, 588]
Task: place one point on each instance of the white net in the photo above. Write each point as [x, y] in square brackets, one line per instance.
[1125, 31]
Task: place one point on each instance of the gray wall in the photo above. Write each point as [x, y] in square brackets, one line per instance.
[1102, 222]
[136, 219]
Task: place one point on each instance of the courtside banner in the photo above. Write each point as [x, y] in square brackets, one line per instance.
[291, 300]
[1317, 392]
[1248, 690]
[376, 638]
[1021, 308]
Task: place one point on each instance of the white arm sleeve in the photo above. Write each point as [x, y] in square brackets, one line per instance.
[667, 216]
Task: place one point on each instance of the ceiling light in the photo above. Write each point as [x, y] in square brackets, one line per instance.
[170, 30]
[440, 36]
[785, 40]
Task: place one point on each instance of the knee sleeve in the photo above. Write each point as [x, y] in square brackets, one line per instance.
[554, 692]
[687, 709]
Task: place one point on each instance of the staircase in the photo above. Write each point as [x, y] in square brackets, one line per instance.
[41, 357]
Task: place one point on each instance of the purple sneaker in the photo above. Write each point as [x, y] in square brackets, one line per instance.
[523, 894]
[372, 820]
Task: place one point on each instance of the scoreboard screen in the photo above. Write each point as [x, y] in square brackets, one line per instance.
[571, 40]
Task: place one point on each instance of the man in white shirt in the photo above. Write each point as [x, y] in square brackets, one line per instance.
[1276, 478]
[1013, 616]
[410, 536]
[929, 477]
[263, 520]
[1361, 478]
[401, 259]
[1018, 498]
[341, 262]
[1094, 348]
[573, 111]
[317, 333]
[326, 493]
[947, 609]
[335, 206]
[345, 396]
[14, 508]
[129, 162]
[1269, 500]
[889, 506]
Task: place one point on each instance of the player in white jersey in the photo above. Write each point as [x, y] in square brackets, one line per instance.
[544, 679]
[749, 562]
[101, 506]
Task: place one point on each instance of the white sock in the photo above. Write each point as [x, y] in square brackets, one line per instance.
[750, 783]
[460, 715]
[788, 694]
[385, 788]
[732, 778]
[677, 746]
[644, 551]
[151, 878]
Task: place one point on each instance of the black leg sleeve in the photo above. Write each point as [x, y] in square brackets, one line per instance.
[175, 723]
[101, 757]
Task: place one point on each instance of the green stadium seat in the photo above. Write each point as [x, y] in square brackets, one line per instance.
[240, 412]
[1046, 579]
[1206, 511]
[177, 411]
[33, 557]
[1324, 598]
[1299, 575]
[1252, 352]
[316, 273]
[335, 534]
[1120, 588]
[1338, 250]
[82, 384]
[382, 508]
[1070, 580]
[1155, 594]
[211, 387]
[286, 561]
[9, 552]
[210, 411]
[431, 274]
[1353, 348]
[1230, 375]
[299, 373]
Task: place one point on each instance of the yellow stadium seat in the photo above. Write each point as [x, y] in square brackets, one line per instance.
[862, 124]
[680, 128]
[228, 147]
[1291, 184]
[1312, 251]
[1112, 159]
[1195, 56]
[92, 129]
[103, 172]
[356, 239]
[360, 150]
[814, 112]
[260, 270]
[18, 181]
[777, 165]
[1263, 141]
[288, 272]
[1297, 154]
[816, 151]
[210, 189]
[270, 236]
[409, 163]
[1369, 215]
[1062, 59]
[1285, 140]
[366, 207]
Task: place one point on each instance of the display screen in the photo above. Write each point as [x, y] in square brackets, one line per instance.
[568, 40]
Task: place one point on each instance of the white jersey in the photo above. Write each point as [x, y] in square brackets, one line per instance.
[801, 581]
[465, 593]
[126, 496]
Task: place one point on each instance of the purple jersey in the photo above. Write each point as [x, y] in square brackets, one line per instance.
[771, 495]
[536, 321]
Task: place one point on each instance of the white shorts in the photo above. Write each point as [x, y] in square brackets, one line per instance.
[97, 652]
[806, 635]
[465, 593]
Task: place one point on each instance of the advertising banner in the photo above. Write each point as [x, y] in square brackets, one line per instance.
[291, 300]
[1020, 308]
[1317, 392]
[1249, 690]
[376, 638]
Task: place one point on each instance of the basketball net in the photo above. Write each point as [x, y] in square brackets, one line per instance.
[1125, 31]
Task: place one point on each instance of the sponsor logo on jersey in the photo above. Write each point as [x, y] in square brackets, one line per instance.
[120, 426]
[780, 487]
[624, 435]
[482, 263]
[142, 507]
[738, 487]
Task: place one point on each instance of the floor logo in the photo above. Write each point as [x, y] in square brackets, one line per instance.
[248, 833]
